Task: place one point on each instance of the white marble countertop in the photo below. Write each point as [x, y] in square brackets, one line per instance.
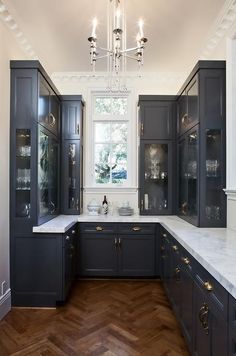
[213, 248]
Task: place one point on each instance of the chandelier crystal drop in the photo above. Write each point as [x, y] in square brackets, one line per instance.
[116, 52]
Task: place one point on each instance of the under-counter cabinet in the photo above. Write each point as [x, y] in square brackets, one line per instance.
[43, 268]
[199, 301]
[201, 146]
[232, 326]
[117, 250]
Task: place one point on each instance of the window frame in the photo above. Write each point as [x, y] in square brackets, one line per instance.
[110, 118]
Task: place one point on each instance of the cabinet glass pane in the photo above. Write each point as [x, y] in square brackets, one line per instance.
[43, 173]
[213, 175]
[192, 173]
[156, 177]
[53, 204]
[23, 174]
[72, 178]
[183, 179]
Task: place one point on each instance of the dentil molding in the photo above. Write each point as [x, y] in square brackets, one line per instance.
[11, 24]
[224, 25]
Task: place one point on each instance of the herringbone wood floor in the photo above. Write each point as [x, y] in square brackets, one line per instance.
[111, 318]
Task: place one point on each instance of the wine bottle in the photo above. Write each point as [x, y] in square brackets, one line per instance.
[105, 205]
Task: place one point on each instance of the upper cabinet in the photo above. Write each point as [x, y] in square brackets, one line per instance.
[188, 107]
[201, 146]
[35, 147]
[72, 114]
[157, 117]
[49, 107]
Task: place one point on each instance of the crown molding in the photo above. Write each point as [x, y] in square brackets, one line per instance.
[8, 20]
[223, 25]
[85, 77]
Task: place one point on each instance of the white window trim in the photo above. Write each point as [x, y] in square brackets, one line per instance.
[89, 180]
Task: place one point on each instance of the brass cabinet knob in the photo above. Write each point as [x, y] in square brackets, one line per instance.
[164, 235]
[67, 237]
[208, 286]
[99, 228]
[136, 228]
[73, 232]
[175, 248]
[186, 260]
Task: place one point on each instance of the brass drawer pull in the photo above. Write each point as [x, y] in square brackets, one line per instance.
[186, 260]
[208, 286]
[162, 248]
[116, 242]
[175, 248]
[99, 228]
[136, 228]
[184, 119]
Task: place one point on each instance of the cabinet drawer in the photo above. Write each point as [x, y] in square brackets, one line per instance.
[97, 227]
[213, 290]
[136, 229]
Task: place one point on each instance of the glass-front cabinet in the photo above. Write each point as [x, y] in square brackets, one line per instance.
[201, 146]
[23, 174]
[155, 177]
[48, 175]
[72, 153]
[188, 176]
[35, 160]
[71, 177]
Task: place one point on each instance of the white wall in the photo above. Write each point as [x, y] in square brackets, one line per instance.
[8, 50]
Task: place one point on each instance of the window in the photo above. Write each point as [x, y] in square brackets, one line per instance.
[111, 128]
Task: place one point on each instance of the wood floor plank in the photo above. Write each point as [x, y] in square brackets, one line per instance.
[100, 318]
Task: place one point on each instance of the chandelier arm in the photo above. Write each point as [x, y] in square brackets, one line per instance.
[130, 49]
[105, 49]
[105, 56]
[130, 57]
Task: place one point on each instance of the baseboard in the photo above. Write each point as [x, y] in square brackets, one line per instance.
[5, 304]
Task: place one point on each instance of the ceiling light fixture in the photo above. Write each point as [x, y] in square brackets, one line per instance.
[116, 51]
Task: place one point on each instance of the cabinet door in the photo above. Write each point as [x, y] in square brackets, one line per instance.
[165, 260]
[69, 261]
[71, 173]
[48, 107]
[48, 175]
[136, 255]
[210, 328]
[189, 176]
[72, 115]
[54, 115]
[98, 255]
[186, 307]
[157, 120]
[156, 177]
[188, 107]
[213, 198]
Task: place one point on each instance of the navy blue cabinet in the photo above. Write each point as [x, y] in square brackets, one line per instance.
[43, 268]
[112, 250]
[201, 146]
[199, 301]
[157, 122]
[72, 154]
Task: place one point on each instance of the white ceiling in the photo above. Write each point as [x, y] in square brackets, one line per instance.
[58, 30]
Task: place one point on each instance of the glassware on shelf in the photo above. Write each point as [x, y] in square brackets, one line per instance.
[212, 167]
[213, 212]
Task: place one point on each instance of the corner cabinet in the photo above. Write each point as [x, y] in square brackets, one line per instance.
[201, 146]
[72, 154]
[157, 123]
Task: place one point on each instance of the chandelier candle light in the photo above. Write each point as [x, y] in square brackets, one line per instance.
[116, 51]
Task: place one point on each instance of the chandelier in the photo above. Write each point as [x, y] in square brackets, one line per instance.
[116, 51]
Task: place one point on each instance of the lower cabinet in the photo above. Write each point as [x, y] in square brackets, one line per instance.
[111, 250]
[43, 268]
[198, 300]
